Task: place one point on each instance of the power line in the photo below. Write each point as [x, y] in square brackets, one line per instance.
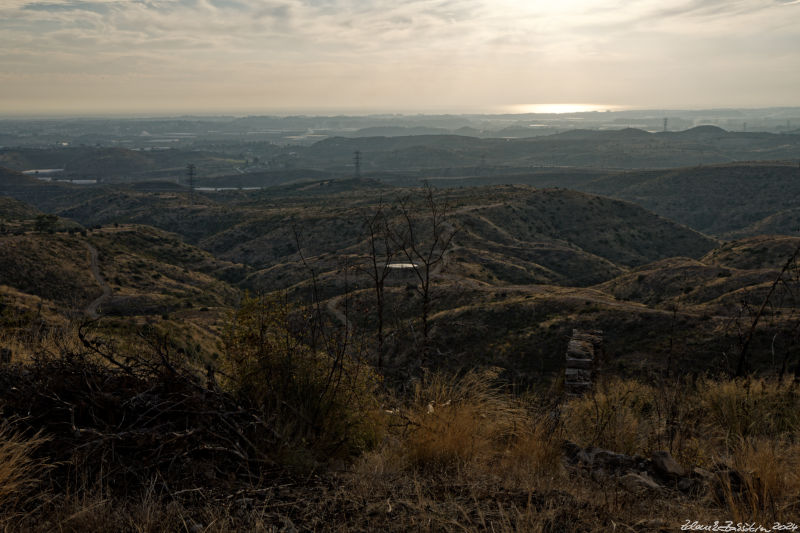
[190, 172]
[357, 162]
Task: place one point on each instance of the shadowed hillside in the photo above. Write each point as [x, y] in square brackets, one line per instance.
[517, 234]
[734, 200]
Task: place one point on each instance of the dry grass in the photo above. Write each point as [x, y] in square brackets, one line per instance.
[20, 471]
[766, 485]
[750, 407]
[748, 431]
[467, 426]
[452, 422]
[620, 416]
[462, 454]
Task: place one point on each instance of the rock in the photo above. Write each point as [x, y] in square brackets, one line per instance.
[586, 456]
[614, 462]
[638, 483]
[664, 464]
[702, 473]
[636, 473]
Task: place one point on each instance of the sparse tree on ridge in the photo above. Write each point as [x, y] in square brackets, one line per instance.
[381, 252]
[423, 237]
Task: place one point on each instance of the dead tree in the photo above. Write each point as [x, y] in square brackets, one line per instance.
[380, 253]
[423, 237]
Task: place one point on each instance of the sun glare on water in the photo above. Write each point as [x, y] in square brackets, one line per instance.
[561, 108]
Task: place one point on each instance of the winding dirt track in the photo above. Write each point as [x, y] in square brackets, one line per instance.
[333, 308]
[91, 309]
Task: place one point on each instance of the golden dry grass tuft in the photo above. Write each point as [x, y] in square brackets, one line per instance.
[621, 416]
[456, 421]
[750, 407]
[764, 484]
[469, 431]
[20, 471]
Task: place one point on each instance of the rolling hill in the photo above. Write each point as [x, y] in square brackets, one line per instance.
[526, 266]
[514, 234]
[731, 200]
[627, 148]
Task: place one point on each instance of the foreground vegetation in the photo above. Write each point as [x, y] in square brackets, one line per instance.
[291, 432]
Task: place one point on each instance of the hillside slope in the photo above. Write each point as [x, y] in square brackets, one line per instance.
[148, 271]
[727, 200]
[509, 234]
[627, 148]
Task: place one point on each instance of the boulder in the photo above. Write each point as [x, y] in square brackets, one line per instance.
[636, 473]
[666, 465]
[638, 483]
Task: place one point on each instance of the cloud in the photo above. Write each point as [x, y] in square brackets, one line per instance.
[473, 51]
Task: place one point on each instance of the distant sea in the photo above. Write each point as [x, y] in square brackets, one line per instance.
[562, 108]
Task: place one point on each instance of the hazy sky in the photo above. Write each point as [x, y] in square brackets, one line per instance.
[249, 56]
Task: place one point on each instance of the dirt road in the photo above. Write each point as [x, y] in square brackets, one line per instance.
[92, 309]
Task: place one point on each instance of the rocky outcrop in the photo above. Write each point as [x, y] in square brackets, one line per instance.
[660, 472]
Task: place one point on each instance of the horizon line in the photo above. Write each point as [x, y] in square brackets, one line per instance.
[568, 109]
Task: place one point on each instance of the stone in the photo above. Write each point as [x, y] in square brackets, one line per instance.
[734, 483]
[638, 483]
[578, 375]
[584, 364]
[636, 473]
[615, 462]
[581, 363]
[702, 473]
[586, 456]
[666, 465]
[580, 349]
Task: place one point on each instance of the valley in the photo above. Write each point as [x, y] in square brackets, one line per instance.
[280, 333]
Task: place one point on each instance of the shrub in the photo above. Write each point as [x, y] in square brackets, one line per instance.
[467, 421]
[325, 403]
[750, 407]
[620, 416]
[457, 420]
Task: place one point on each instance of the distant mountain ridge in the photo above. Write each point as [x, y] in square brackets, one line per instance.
[625, 148]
